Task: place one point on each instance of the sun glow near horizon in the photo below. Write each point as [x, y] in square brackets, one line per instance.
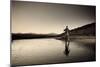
[35, 17]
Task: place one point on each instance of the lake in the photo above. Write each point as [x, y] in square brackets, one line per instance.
[50, 51]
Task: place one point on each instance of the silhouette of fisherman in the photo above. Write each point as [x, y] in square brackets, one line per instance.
[66, 40]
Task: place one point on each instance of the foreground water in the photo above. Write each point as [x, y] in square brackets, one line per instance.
[45, 51]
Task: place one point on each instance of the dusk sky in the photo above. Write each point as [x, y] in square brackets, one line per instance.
[37, 17]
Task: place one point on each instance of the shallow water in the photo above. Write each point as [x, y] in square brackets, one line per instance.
[45, 51]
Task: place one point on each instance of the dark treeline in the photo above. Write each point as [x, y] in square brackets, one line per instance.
[17, 36]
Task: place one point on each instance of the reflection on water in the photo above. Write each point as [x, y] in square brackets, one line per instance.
[45, 51]
[67, 48]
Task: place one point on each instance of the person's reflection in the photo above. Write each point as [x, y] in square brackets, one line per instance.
[67, 48]
[67, 41]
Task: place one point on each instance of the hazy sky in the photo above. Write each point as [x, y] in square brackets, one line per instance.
[35, 17]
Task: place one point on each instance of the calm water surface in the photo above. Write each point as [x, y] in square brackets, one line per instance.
[45, 51]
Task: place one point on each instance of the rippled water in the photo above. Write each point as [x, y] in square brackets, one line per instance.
[45, 51]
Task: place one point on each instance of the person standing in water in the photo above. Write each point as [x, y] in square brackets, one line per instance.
[66, 40]
[66, 34]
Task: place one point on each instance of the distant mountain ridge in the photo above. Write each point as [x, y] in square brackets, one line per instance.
[89, 29]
